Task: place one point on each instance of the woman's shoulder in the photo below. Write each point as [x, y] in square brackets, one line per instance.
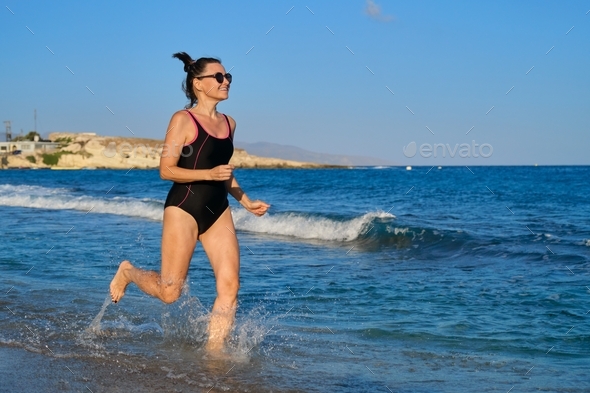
[180, 112]
[181, 116]
[180, 122]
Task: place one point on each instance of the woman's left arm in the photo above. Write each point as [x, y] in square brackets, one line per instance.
[233, 188]
[256, 207]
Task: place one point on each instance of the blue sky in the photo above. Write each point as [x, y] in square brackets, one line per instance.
[447, 63]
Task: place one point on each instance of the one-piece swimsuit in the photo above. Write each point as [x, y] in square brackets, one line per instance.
[205, 200]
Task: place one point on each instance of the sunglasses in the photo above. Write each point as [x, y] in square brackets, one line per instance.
[218, 77]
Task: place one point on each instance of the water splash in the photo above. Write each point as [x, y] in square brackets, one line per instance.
[95, 324]
[249, 332]
[185, 324]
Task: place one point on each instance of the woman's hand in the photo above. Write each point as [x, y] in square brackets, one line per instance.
[221, 172]
[257, 207]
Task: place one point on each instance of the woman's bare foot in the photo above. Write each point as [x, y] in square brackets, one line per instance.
[220, 325]
[120, 281]
[214, 347]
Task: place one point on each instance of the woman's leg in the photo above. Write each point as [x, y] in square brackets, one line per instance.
[179, 238]
[221, 246]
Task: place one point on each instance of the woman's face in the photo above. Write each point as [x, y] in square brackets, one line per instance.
[209, 86]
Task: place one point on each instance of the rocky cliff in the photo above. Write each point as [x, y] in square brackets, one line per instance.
[88, 150]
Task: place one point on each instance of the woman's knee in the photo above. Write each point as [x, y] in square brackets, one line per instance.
[228, 287]
[170, 293]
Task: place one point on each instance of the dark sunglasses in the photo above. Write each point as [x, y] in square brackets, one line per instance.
[218, 77]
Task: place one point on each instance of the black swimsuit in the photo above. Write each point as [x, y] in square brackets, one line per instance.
[205, 200]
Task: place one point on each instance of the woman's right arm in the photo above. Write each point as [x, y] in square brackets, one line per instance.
[179, 129]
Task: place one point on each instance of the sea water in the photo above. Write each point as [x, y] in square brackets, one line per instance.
[361, 279]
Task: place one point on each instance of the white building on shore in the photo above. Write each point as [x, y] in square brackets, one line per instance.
[27, 146]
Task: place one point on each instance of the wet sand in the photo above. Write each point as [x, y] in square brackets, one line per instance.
[25, 371]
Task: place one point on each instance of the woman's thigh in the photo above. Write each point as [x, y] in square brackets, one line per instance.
[221, 246]
[179, 239]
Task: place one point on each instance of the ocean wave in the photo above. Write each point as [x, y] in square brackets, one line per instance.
[407, 236]
[62, 199]
[31, 190]
[367, 231]
[298, 225]
[308, 226]
[375, 228]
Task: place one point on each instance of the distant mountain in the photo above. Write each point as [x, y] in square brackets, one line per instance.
[287, 152]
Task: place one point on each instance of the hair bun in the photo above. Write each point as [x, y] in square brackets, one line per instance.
[187, 67]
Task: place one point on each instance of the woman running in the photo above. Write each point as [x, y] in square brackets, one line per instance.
[196, 153]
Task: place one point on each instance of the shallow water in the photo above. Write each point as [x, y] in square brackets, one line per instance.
[356, 280]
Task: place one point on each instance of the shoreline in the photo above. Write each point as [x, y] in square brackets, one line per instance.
[23, 370]
[91, 151]
[155, 168]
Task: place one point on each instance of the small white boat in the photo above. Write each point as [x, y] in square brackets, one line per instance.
[408, 168]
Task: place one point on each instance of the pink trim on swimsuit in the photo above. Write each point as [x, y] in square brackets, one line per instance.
[228, 128]
[196, 129]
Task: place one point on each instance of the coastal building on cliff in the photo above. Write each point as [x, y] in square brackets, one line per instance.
[27, 146]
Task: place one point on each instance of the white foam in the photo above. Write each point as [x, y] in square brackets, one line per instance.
[305, 226]
[398, 231]
[297, 225]
[62, 199]
[30, 190]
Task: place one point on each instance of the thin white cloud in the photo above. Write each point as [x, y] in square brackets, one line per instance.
[374, 11]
